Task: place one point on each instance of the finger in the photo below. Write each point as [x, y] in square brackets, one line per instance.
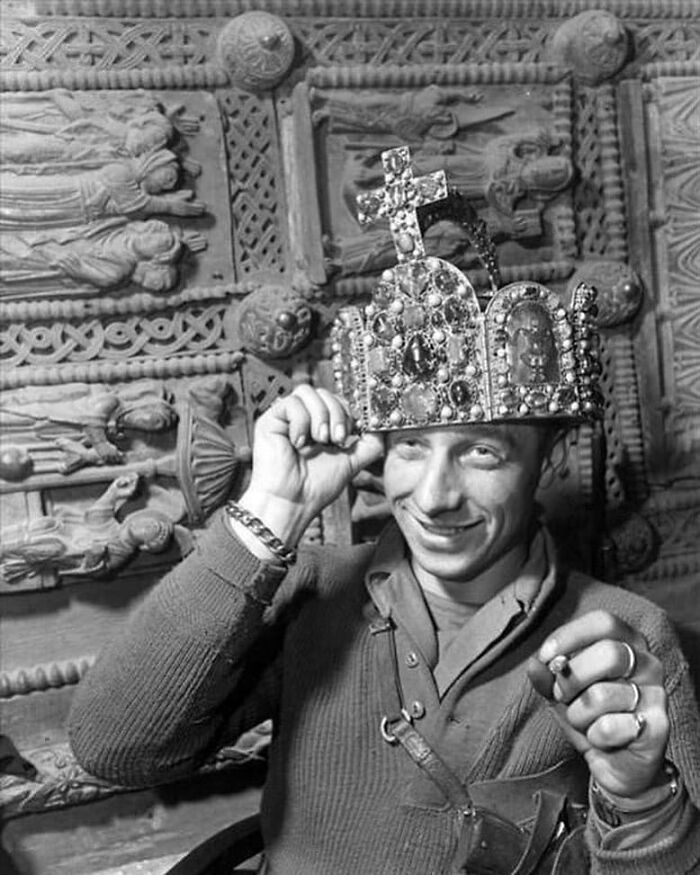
[340, 421]
[603, 660]
[319, 412]
[607, 697]
[585, 630]
[540, 677]
[647, 727]
[291, 417]
[365, 450]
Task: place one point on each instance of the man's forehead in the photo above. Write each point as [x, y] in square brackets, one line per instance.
[511, 433]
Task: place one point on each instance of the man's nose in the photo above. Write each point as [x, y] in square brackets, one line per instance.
[439, 489]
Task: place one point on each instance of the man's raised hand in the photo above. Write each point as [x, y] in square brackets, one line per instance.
[305, 451]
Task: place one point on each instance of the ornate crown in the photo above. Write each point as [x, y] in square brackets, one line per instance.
[423, 352]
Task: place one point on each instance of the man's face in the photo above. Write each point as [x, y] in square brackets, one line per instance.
[463, 496]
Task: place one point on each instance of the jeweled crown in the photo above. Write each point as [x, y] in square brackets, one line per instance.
[424, 353]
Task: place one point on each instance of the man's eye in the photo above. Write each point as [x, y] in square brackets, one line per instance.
[484, 454]
[408, 447]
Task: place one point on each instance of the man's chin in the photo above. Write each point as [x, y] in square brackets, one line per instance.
[447, 567]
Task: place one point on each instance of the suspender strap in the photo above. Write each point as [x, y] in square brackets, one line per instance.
[488, 843]
[397, 723]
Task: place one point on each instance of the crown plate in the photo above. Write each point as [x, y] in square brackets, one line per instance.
[423, 353]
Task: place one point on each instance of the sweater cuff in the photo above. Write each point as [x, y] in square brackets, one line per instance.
[222, 551]
[667, 842]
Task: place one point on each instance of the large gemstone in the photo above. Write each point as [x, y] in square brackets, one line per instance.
[413, 316]
[420, 403]
[377, 360]
[383, 401]
[414, 278]
[461, 394]
[418, 358]
[454, 310]
[396, 161]
[456, 349]
[383, 294]
[445, 281]
[383, 327]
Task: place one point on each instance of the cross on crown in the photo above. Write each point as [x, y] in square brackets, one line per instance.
[399, 199]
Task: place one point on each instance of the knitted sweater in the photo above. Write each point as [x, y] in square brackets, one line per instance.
[225, 641]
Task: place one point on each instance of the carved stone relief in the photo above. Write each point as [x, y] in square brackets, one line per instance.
[163, 448]
[506, 148]
[103, 192]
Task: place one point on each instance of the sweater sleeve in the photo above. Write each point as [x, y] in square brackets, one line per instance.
[197, 661]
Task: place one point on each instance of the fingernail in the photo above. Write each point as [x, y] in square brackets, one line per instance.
[323, 433]
[339, 434]
[300, 441]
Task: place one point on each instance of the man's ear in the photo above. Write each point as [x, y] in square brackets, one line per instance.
[555, 454]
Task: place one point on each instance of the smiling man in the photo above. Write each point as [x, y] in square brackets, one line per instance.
[451, 699]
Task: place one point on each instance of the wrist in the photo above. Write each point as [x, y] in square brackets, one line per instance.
[284, 518]
[615, 809]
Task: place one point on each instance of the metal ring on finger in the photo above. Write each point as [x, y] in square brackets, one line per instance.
[637, 696]
[632, 660]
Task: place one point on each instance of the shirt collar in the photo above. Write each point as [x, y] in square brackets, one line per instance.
[394, 590]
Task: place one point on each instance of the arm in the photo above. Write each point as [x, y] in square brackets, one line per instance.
[160, 697]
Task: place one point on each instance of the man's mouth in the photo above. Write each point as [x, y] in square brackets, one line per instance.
[445, 531]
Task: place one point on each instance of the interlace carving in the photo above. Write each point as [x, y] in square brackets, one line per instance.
[255, 207]
[188, 329]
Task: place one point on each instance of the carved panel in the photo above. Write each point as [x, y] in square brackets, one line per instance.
[503, 138]
[674, 108]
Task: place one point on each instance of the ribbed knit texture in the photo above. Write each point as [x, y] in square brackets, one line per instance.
[203, 659]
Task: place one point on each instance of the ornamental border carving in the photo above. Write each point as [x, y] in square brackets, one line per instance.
[370, 8]
[670, 68]
[140, 302]
[415, 76]
[611, 174]
[51, 676]
[116, 372]
[89, 78]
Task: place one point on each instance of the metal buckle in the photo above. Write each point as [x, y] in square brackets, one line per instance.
[389, 736]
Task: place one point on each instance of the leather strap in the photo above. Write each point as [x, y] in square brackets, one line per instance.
[397, 727]
[397, 724]
[549, 817]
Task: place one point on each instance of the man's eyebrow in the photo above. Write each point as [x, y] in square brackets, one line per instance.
[500, 432]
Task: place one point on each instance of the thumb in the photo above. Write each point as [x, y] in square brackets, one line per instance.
[366, 449]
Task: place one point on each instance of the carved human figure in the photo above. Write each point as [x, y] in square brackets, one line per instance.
[433, 112]
[84, 422]
[106, 255]
[525, 165]
[515, 175]
[132, 188]
[95, 541]
[79, 130]
[505, 171]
